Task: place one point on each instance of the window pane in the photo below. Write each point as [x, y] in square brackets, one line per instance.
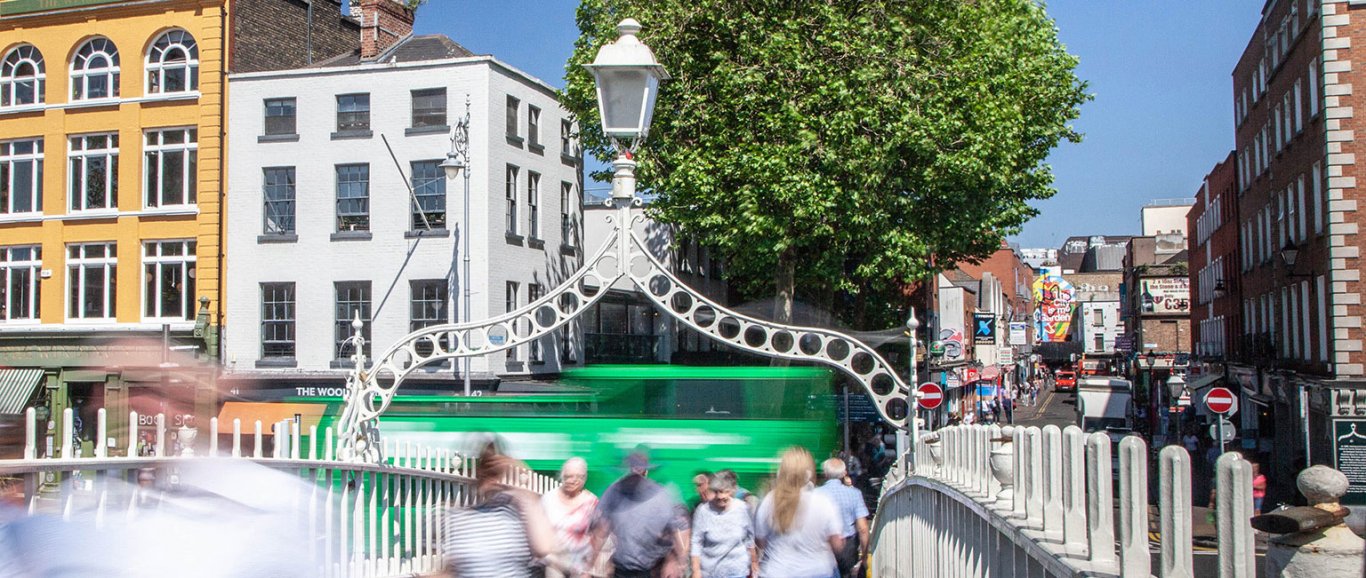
[429, 107]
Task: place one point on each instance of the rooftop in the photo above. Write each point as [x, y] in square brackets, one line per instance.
[411, 49]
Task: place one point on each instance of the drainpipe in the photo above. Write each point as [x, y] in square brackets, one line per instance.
[1304, 422]
[308, 36]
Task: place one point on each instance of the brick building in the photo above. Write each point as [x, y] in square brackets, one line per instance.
[1007, 265]
[1213, 256]
[1300, 344]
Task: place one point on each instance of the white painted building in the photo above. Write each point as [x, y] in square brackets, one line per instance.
[321, 225]
[625, 326]
[1100, 325]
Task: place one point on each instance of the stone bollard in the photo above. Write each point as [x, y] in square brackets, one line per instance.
[1330, 551]
[1003, 467]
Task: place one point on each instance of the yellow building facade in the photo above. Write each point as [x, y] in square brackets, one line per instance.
[111, 172]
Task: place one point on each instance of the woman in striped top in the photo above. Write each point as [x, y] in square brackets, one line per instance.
[504, 531]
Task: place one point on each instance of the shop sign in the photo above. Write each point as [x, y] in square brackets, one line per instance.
[1018, 332]
[1349, 457]
[1005, 356]
[984, 328]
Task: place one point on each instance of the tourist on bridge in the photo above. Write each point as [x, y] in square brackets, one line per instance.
[648, 523]
[723, 534]
[797, 529]
[504, 531]
[853, 516]
[570, 510]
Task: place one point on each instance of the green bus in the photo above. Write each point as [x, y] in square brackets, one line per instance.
[691, 419]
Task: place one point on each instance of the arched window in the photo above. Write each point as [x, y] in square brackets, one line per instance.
[173, 63]
[95, 70]
[22, 77]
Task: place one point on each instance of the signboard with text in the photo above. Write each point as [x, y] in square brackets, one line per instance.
[1349, 457]
[1019, 333]
[1164, 295]
[984, 328]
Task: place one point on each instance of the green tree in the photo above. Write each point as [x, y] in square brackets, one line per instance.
[835, 145]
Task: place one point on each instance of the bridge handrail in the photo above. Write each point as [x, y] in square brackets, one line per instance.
[1010, 498]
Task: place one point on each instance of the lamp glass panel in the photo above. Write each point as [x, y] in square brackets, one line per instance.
[621, 98]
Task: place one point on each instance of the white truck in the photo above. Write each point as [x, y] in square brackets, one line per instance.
[1105, 404]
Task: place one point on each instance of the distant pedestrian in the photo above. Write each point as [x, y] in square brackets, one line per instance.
[570, 511]
[701, 482]
[504, 531]
[1258, 488]
[723, 534]
[853, 516]
[1191, 442]
[798, 530]
[649, 525]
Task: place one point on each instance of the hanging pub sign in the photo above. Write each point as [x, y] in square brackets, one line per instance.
[983, 328]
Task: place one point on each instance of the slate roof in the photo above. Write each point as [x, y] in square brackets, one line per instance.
[410, 49]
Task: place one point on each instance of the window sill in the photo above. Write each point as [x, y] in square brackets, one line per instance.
[277, 362]
[569, 251]
[420, 130]
[347, 363]
[535, 243]
[94, 102]
[173, 211]
[536, 148]
[21, 218]
[95, 214]
[424, 233]
[278, 138]
[352, 236]
[268, 239]
[515, 140]
[568, 160]
[514, 239]
[352, 134]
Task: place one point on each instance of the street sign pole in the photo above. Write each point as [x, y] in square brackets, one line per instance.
[1220, 423]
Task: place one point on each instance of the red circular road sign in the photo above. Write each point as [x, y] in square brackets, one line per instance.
[1219, 400]
[972, 375]
[931, 395]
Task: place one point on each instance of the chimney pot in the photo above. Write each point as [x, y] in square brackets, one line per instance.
[382, 24]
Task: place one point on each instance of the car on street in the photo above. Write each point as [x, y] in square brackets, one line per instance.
[1065, 381]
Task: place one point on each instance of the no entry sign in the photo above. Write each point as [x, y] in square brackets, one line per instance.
[931, 395]
[1220, 400]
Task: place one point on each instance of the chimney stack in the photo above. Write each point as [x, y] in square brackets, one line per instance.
[382, 24]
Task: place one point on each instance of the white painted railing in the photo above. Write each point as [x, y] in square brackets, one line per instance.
[362, 520]
[1030, 502]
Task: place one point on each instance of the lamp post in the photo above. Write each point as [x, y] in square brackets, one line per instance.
[1151, 359]
[912, 325]
[627, 77]
[1176, 387]
[458, 161]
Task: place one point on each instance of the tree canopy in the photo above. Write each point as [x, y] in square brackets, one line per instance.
[833, 146]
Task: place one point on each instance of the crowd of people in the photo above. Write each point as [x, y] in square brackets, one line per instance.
[640, 529]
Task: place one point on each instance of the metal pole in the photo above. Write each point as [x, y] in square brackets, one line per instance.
[914, 400]
[1220, 426]
[465, 241]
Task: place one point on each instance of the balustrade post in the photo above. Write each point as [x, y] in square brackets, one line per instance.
[236, 437]
[1233, 479]
[30, 434]
[161, 435]
[1018, 458]
[993, 487]
[213, 437]
[1174, 507]
[67, 418]
[313, 443]
[294, 440]
[132, 434]
[1052, 487]
[1034, 479]
[1074, 489]
[1133, 508]
[101, 433]
[1100, 521]
[256, 453]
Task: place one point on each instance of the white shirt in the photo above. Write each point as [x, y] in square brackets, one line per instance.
[804, 550]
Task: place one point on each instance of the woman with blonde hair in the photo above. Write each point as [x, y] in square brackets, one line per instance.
[797, 529]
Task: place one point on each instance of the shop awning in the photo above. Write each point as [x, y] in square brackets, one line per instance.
[1204, 381]
[16, 387]
[269, 414]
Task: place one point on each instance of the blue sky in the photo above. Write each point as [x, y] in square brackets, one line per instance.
[1159, 70]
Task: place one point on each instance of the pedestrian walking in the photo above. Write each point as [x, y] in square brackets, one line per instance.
[504, 531]
[853, 516]
[723, 534]
[701, 482]
[570, 511]
[650, 526]
[797, 530]
[1008, 403]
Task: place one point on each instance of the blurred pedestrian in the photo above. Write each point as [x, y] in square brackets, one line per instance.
[1258, 488]
[649, 525]
[853, 516]
[741, 493]
[570, 511]
[723, 534]
[700, 486]
[506, 528]
[797, 530]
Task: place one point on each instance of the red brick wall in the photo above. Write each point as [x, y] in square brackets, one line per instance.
[383, 23]
[1218, 237]
[273, 34]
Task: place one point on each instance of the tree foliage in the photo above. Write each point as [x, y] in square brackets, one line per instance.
[833, 146]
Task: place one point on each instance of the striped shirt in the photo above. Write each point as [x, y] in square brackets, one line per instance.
[488, 540]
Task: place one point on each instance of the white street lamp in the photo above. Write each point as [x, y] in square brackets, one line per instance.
[458, 161]
[627, 76]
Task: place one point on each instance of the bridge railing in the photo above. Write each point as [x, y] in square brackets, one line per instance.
[1031, 502]
[361, 520]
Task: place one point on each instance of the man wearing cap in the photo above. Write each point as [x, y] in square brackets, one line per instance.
[649, 524]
